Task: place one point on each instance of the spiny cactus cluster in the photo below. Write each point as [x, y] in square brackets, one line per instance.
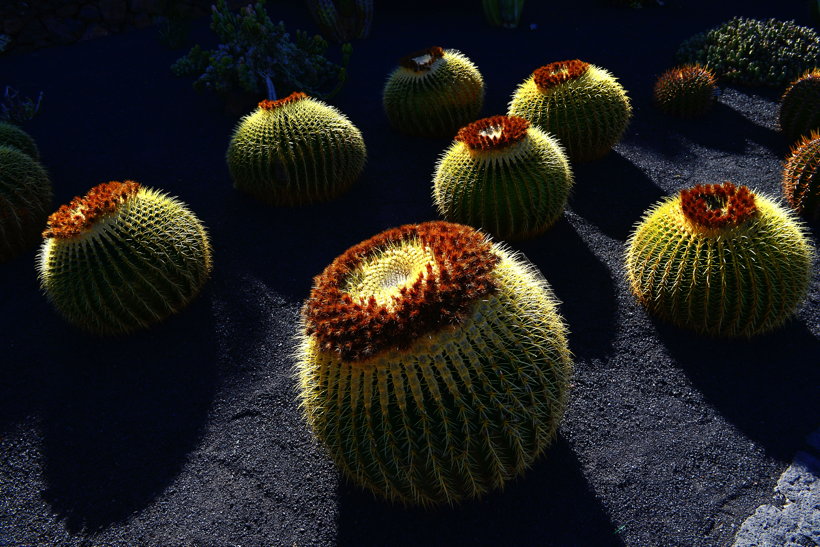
[342, 20]
[800, 106]
[801, 179]
[25, 200]
[295, 150]
[753, 52]
[122, 257]
[687, 91]
[721, 260]
[504, 176]
[433, 93]
[581, 104]
[432, 364]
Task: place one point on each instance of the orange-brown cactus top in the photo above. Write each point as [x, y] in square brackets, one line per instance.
[559, 72]
[458, 275]
[292, 98]
[718, 205]
[82, 212]
[422, 60]
[493, 133]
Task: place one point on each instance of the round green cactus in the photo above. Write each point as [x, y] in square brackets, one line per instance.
[294, 151]
[504, 176]
[581, 104]
[801, 177]
[432, 363]
[503, 13]
[433, 93]
[686, 92]
[11, 135]
[25, 200]
[122, 258]
[800, 106]
[720, 260]
[753, 52]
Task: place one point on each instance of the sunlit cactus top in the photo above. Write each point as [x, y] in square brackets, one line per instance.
[422, 60]
[389, 290]
[292, 98]
[718, 205]
[81, 213]
[556, 73]
[494, 133]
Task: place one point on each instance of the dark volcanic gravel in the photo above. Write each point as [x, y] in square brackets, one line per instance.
[189, 433]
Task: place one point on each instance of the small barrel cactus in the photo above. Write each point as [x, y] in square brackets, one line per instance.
[720, 260]
[801, 179]
[25, 200]
[504, 176]
[122, 257]
[800, 106]
[686, 91]
[432, 363]
[294, 151]
[433, 93]
[11, 135]
[581, 104]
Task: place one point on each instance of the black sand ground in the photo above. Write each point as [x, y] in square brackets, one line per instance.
[188, 434]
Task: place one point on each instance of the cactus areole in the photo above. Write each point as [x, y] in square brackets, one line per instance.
[391, 289]
[422, 60]
[718, 205]
[494, 133]
[556, 73]
[81, 213]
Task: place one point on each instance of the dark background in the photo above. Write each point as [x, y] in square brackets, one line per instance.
[189, 434]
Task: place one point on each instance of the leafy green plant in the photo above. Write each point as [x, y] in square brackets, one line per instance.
[255, 54]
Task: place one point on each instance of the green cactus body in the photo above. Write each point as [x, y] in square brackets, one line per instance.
[503, 13]
[294, 151]
[432, 364]
[25, 200]
[504, 176]
[433, 93]
[342, 20]
[801, 180]
[11, 135]
[800, 106]
[122, 258]
[581, 104]
[686, 91]
[720, 260]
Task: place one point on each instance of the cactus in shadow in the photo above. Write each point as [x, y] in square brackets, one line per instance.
[432, 363]
[801, 180]
[800, 106]
[687, 91]
[503, 13]
[579, 103]
[504, 176]
[11, 135]
[721, 260]
[295, 150]
[25, 199]
[342, 20]
[433, 93]
[122, 257]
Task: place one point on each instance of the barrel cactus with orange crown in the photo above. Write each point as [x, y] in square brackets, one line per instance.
[505, 176]
[122, 257]
[800, 106]
[294, 151]
[721, 260]
[801, 177]
[432, 363]
[433, 93]
[581, 104]
[687, 91]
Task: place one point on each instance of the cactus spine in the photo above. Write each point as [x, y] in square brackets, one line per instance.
[800, 106]
[721, 260]
[432, 363]
[581, 104]
[504, 176]
[122, 257]
[801, 180]
[25, 199]
[687, 91]
[433, 93]
[294, 151]
[11, 135]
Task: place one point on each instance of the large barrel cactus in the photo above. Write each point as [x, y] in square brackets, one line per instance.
[504, 176]
[801, 177]
[800, 106]
[294, 151]
[25, 200]
[11, 135]
[432, 363]
[583, 105]
[433, 93]
[122, 257]
[721, 260]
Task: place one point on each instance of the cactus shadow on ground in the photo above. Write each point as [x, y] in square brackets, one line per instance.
[551, 504]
